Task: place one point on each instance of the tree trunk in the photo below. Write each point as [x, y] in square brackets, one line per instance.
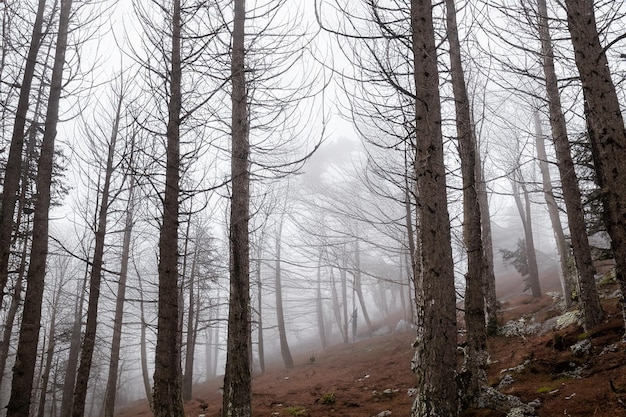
[280, 315]
[238, 379]
[89, 338]
[344, 296]
[69, 381]
[608, 144]
[435, 356]
[192, 320]
[13, 169]
[143, 350]
[319, 305]
[489, 277]
[525, 214]
[259, 284]
[475, 377]
[24, 369]
[167, 400]
[358, 288]
[553, 211]
[111, 388]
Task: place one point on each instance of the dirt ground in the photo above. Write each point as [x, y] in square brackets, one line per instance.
[373, 376]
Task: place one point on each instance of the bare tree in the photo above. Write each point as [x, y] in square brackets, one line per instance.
[23, 372]
[434, 361]
[167, 399]
[237, 378]
[605, 124]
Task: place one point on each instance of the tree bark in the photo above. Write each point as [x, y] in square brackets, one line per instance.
[524, 210]
[111, 388]
[605, 126]
[319, 305]
[89, 338]
[553, 212]
[167, 400]
[260, 340]
[435, 356]
[238, 379]
[24, 369]
[192, 321]
[13, 169]
[280, 314]
[475, 376]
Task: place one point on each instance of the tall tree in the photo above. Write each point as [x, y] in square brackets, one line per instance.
[280, 314]
[12, 170]
[24, 369]
[237, 377]
[605, 125]
[435, 356]
[95, 277]
[592, 310]
[476, 357]
[167, 397]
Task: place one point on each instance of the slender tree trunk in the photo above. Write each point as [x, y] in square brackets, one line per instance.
[167, 399]
[111, 388]
[45, 375]
[69, 381]
[475, 377]
[143, 350]
[89, 338]
[190, 344]
[259, 284]
[238, 379]
[336, 304]
[489, 277]
[13, 167]
[525, 214]
[23, 371]
[435, 356]
[344, 296]
[280, 315]
[553, 211]
[358, 288]
[319, 305]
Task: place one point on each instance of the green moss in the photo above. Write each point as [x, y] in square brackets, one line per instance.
[544, 390]
[296, 410]
[328, 399]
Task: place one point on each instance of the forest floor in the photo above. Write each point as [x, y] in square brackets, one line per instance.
[372, 377]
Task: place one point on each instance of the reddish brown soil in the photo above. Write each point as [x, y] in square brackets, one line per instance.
[357, 375]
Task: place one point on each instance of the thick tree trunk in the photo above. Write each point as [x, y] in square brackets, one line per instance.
[605, 125]
[280, 314]
[553, 212]
[24, 369]
[13, 169]
[238, 379]
[111, 388]
[592, 310]
[89, 338]
[167, 400]
[435, 356]
[474, 373]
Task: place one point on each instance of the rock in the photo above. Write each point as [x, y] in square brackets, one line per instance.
[385, 413]
[506, 381]
[582, 348]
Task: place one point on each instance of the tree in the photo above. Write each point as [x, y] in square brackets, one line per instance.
[237, 377]
[605, 124]
[95, 277]
[13, 168]
[167, 399]
[23, 372]
[280, 315]
[476, 357]
[434, 361]
[591, 308]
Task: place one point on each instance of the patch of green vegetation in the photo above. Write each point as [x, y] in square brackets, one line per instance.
[328, 399]
[584, 336]
[296, 410]
[544, 390]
